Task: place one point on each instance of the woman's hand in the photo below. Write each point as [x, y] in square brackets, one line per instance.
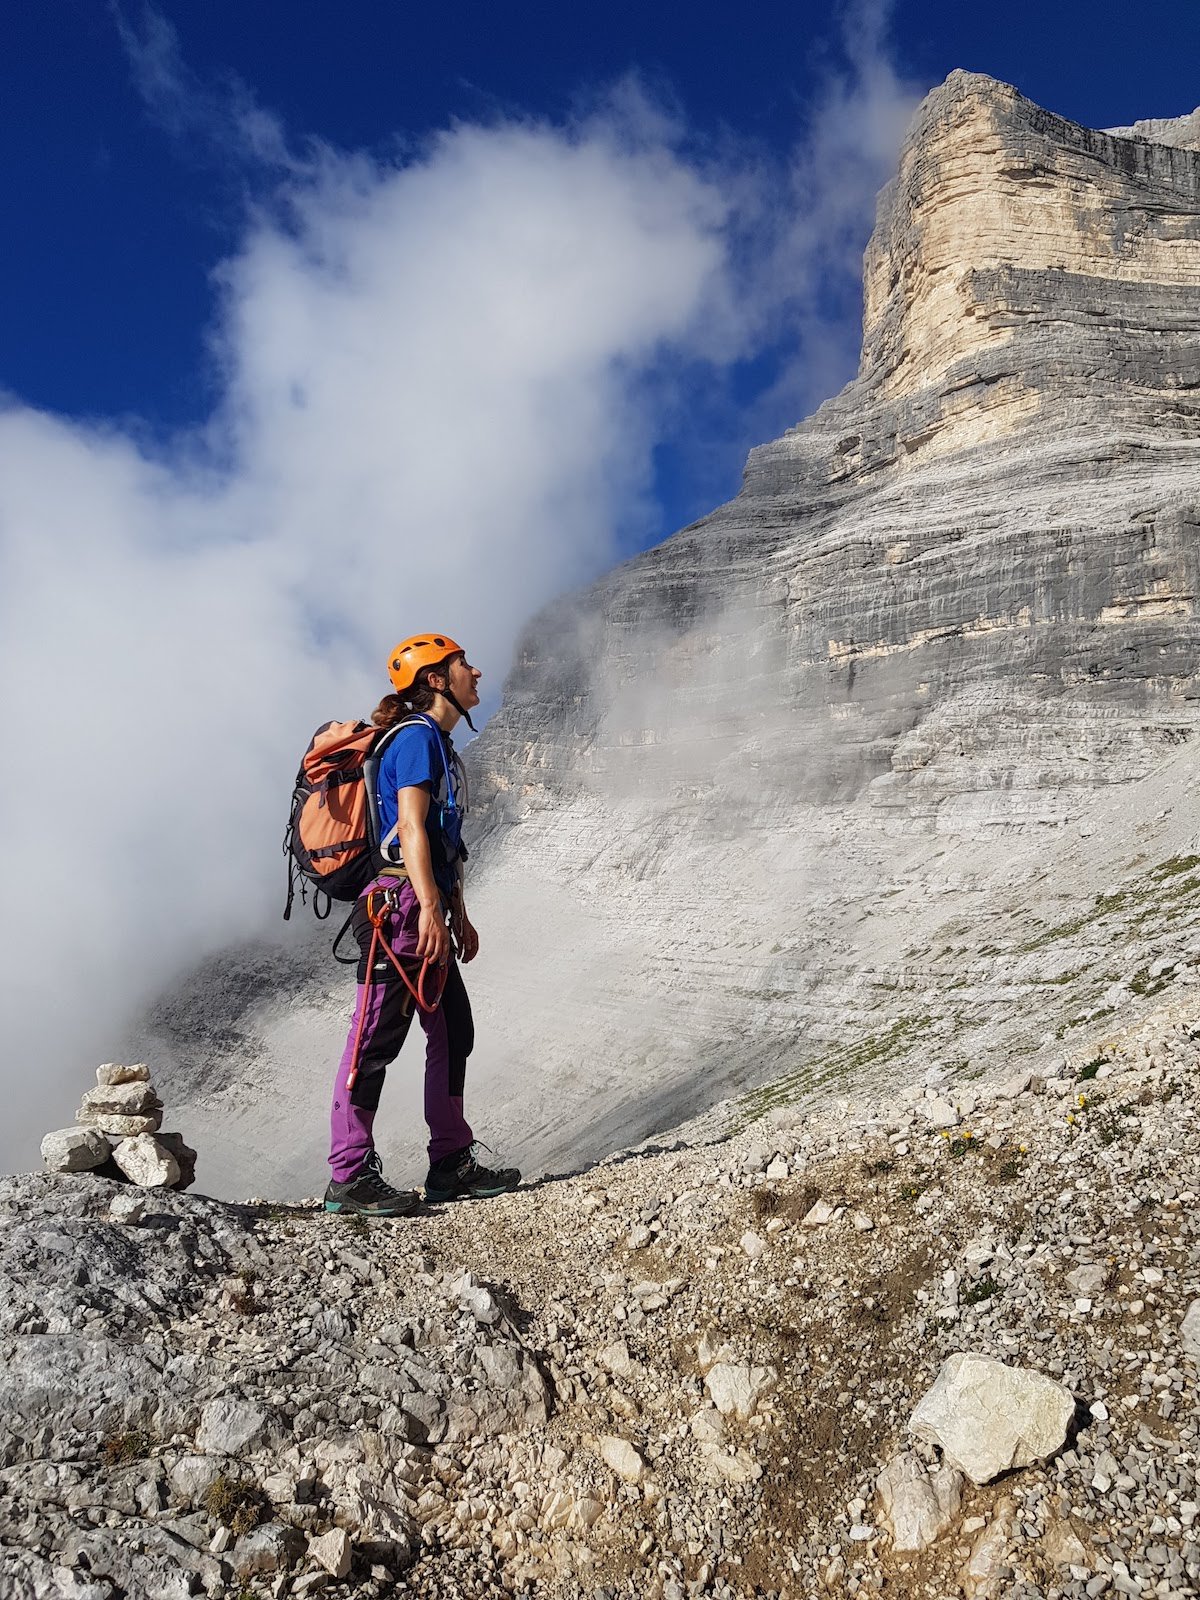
[433, 936]
[464, 933]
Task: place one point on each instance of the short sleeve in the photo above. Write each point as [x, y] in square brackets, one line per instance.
[410, 759]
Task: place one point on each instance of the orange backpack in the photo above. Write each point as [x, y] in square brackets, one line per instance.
[328, 837]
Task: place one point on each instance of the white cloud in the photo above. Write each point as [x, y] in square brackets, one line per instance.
[436, 409]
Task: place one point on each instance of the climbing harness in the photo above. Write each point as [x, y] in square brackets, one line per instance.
[381, 904]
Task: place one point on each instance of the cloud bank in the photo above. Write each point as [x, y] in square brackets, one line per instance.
[442, 386]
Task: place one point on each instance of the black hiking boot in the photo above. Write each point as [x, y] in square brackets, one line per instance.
[369, 1195]
[460, 1177]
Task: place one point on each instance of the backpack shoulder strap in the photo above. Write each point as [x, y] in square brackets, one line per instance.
[371, 775]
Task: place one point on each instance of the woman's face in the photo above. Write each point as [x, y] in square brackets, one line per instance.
[464, 682]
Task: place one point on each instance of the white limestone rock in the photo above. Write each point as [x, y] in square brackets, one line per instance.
[988, 1418]
[736, 1388]
[333, 1551]
[708, 1427]
[622, 1458]
[191, 1478]
[126, 1208]
[112, 1072]
[228, 1427]
[1088, 1279]
[75, 1150]
[713, 1347]
[135, 1099]
[271, 1548]
[118, 1127]
[918, 1508]
[940, 1113]
[146, 1162]
[981, 1576]
[735, 1466]
[1189, 1332]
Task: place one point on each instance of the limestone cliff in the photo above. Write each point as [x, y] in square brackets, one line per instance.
[881, 759]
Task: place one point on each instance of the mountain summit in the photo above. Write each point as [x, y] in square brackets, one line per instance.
[884, 759]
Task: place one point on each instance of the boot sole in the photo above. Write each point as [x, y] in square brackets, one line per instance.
[341, 1206]
[439, 1197]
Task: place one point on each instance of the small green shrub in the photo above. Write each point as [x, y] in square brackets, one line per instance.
[983, 1290]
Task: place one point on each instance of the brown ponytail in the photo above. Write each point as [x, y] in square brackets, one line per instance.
[390, 710]
[394, 708]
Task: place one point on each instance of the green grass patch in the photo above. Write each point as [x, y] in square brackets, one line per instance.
[833, 1067]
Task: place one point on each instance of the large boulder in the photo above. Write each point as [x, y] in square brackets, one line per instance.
[75, 1150]
[988, 1418]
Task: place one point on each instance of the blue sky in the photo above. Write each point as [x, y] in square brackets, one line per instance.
[118, 222]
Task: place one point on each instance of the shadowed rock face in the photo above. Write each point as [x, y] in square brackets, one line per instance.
[1000, 505]
[756, 802]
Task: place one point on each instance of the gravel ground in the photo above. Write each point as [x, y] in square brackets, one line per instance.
[679, 1373]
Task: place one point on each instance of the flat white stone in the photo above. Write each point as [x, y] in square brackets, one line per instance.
[333, 1551]
[126, 1099]
[113, 1072]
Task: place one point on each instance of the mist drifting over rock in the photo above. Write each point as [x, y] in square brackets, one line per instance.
[816, 778]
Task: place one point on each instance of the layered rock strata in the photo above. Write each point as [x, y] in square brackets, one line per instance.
[849, 773]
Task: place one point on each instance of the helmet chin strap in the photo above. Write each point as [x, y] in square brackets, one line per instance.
[448, 694]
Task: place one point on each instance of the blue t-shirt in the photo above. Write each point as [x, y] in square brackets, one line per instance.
[411, 759]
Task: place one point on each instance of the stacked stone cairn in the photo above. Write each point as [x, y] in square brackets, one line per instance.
[117, 1134]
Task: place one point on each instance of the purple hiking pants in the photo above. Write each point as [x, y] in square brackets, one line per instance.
[449, 1036]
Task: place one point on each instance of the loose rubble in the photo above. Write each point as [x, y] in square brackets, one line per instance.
[593, 1388]
[117, 1134]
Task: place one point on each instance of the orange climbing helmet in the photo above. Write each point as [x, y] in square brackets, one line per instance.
[422, 650]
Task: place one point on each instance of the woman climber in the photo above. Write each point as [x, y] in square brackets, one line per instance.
[409, 923]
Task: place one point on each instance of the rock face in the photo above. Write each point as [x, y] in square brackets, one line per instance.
[851, 762]
[988, 1418]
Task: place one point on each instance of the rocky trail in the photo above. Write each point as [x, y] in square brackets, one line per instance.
[685, 1372]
